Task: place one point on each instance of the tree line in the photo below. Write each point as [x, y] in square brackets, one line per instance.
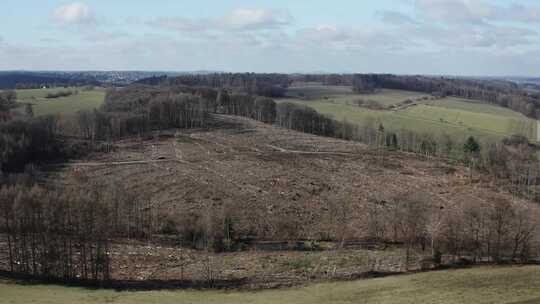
[66, 233]
[136, 110]
[30, 141]
[60, 94]
[269, 85]
[70, 233]
[26, 140]
[479, 231]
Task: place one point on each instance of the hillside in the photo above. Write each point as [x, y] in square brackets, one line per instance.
[276, 173]
[453, 116]
[174, 192]
[81, 99]
[480, 286]
[268, 187]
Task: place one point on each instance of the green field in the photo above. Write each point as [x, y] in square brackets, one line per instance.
[83, 100]
[345, 95]
[454, 116]
[518, 285]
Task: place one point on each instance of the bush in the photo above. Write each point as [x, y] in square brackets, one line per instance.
[299, 264]
[59, 94]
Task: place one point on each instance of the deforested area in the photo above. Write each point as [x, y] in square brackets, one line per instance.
[267, 152]
[199, 187]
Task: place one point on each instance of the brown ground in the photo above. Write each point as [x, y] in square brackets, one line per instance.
[267, 175]
[253, 269]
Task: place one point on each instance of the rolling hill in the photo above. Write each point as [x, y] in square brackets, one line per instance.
[456, 117]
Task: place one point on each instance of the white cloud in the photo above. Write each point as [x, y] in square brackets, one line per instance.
[476, 11]
[422, 36]
[74, 13]
[323, 33]
[395, 18]
[237, 20]
[349, 38]
[178, 24]
[523, 13]
[245, 19]
[102, 36]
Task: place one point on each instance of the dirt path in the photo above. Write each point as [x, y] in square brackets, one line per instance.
[119, 163]
[538, 131]
[282, 150]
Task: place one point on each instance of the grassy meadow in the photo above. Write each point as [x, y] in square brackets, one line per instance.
[454, 116]
[82, 100]
[345, 95]
[511, 285]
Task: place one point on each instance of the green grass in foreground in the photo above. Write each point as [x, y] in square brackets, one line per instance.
[516, 285]
[454, 116]
[83, 100]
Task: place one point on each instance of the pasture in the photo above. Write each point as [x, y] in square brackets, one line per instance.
[345, 95]
[82, 100]
[456, 117]
[505, 285]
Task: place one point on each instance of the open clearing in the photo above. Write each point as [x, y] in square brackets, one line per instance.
[345, 95]
[267, 174]
[82, 100]
[454, 116]
[253, 165]
[519, 285]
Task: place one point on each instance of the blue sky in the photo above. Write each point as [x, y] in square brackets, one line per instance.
[458, 37]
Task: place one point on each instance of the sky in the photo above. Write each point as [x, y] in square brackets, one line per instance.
[450, 37]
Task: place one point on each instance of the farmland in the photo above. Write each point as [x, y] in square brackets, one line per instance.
[519, 285]
[345, 95]
[81, 100]
[455, 116]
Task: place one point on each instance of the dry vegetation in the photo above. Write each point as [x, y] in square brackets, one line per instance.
[256, 167]
[173, 192]
[277, 185]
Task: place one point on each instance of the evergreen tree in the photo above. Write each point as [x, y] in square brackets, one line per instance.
[471, 146]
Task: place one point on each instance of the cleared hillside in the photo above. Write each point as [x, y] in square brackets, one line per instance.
[312, 208]
[269, 173]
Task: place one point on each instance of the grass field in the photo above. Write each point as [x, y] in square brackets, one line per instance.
[83, 100]
[518, 285]
[345, 95]
[454, 116]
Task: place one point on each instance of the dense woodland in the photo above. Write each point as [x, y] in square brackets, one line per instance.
[67, 233]
[22, 80]
[269, 85]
